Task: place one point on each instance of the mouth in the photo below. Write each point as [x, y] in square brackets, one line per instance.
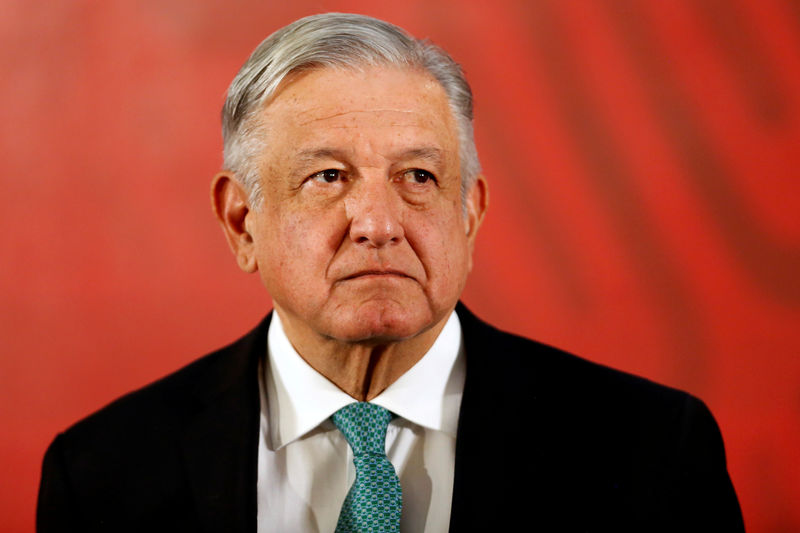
[363, 274]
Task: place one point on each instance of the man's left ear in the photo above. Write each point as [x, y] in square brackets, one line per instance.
[477, 200]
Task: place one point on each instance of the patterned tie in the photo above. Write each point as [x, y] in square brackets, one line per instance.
[375, 500]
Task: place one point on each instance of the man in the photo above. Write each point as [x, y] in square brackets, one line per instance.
[370, 399]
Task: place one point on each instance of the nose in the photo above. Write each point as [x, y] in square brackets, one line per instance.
[374, 213]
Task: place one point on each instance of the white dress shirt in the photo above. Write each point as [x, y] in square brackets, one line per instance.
[305, 466]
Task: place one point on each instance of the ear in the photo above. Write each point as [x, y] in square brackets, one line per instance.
[231, 206]
[477, 200]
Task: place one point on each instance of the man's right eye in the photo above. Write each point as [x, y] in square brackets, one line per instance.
[329, 175]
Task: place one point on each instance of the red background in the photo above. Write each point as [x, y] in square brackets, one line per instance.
[642, 159]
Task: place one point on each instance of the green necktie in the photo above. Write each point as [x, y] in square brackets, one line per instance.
[375, 500]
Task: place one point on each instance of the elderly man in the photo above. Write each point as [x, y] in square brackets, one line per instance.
[370, 399]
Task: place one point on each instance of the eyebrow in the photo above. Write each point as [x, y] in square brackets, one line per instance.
[429, 153]
[319, 153]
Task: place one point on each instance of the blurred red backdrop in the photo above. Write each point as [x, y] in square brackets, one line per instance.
[642, 157]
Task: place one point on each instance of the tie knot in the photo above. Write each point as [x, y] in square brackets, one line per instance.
[364, 426]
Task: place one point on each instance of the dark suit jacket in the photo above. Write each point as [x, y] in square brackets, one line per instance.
[546, 441]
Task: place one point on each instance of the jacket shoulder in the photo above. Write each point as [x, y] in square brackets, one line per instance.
[628, 451]
[537, 368]
[176, 394]
[127, 463]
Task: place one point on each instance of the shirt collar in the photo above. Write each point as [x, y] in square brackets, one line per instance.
[299, 398]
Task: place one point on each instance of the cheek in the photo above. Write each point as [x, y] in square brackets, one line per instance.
[299, 245]
[314, 234]
[441, 244]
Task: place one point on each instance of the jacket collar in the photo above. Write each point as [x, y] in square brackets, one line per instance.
[220, 441]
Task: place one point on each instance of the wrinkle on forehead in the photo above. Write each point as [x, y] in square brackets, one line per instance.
[354, 112]
[384, 96]
[393, 111]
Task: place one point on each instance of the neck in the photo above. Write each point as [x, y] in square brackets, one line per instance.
[361, 369]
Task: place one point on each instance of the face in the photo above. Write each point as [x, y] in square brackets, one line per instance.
[361, 235]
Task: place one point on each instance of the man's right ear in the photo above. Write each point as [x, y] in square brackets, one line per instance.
[231, 205]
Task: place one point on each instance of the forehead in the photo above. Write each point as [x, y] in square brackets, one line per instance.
[378, 102]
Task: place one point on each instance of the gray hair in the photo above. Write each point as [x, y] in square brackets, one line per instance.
[333, 40]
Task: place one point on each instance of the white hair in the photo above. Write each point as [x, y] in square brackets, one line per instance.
[333, 40]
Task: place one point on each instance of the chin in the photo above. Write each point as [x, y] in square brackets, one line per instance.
[381, 322]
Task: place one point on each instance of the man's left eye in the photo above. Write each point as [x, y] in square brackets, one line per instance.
[417, 175]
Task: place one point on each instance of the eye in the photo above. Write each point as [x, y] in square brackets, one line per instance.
[418, 176]
[329, 175]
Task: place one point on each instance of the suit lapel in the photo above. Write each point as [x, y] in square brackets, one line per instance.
[470, 476]
[220, 442]
[489, 440]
